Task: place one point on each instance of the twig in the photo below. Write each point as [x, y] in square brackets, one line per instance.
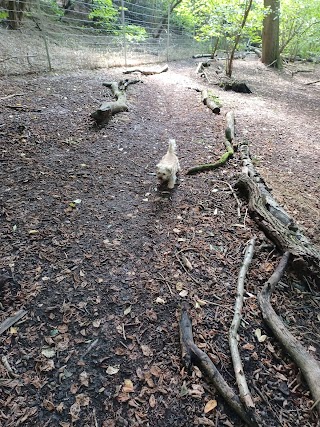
[6, 364]
[245, 395]
[12, 320]
[234, 195]
[186, 270]
[166, 282]
[11, 96]
[90, 347]
[312, 83]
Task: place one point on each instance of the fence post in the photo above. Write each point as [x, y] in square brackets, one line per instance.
[168, 32]
[43, 35]
[124, 33]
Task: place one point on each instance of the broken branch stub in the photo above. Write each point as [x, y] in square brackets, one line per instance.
[107, 109]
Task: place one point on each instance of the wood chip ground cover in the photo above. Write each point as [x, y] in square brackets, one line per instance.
[102, 257]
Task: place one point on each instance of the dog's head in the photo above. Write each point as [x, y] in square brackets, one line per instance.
[163, 173]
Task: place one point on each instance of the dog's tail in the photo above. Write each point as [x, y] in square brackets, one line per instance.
[172, 146]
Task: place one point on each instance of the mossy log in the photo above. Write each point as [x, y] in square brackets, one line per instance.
[107, 109]
[148, 72]
[210, 101]
[209, 166]
[229, 132]
[274, 220]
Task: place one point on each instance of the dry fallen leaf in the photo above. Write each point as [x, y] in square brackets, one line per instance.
[146, 350]
[160, 300]
[183, 293]
[48, 352]
[128, 386]
[112, 370]
[210, 406]
[248, 346]
[260, 337]
[84, 379]
[152, 401]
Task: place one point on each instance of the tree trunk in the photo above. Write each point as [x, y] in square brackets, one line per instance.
[270, 35]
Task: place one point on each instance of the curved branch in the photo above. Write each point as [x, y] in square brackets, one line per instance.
[310, 367]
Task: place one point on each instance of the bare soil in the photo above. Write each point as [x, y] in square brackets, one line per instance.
[96, 248]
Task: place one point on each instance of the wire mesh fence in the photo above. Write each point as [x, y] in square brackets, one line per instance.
[57, 35]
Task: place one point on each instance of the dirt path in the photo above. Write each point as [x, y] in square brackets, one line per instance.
[96, 249]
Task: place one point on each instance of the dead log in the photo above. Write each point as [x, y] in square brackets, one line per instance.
[107, 109]
[230, 126]
[192, 355]
[309, 366]
[210, 100]
[274, 220]
[148, 72]
[202, 55]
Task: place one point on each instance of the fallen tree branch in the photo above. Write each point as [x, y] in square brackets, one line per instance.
[210, 101]
[312, 83]
[192, 355]
[148, 72]
[108, 109]
[229, 132]
[244, 392]
[310, 367]
[274, 220]
[209, 166]
[6, 324]
[225, 156]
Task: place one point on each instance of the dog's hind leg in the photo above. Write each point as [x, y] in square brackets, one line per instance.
[172, 181]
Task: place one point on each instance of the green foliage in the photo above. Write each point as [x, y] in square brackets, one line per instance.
[52, 7]
[3, 14]
[221, 18]
[300, 27]
[134, 33]
[104, 14]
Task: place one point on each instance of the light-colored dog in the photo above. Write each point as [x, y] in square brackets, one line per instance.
[168, 167]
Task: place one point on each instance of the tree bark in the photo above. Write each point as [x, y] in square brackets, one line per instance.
[275, 221]
[270, 35]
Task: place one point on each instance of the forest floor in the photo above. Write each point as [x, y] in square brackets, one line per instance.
[96, 248]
